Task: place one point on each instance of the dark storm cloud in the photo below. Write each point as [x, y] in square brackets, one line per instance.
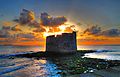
[111, 32]
[26, 17]
[47, 20]
[4, 33]
[97, 31]
[3, 36]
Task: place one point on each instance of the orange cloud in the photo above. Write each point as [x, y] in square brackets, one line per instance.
[16, 28]
[7, 23]
[102, 40]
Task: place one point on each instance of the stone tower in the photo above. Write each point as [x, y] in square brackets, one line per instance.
[62, 43]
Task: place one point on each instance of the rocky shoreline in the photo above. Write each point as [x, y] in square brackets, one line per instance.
[73, 63]
[52, 54]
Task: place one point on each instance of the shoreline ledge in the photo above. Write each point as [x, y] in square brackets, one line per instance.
[53, 54]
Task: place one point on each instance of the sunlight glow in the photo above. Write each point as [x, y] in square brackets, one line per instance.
[61, 29]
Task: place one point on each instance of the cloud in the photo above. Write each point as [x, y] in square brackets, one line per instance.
[47, 20]
[39, 30]
[6, 28]
[25, 35]
[34, 24]
[111, 32]
[94, 30]
[3, 36]
[54, 29]
[15, 33]
[97, 31]
[7, 23]
[68, 29]
[16, 28]
[4, 33]
[26, 17]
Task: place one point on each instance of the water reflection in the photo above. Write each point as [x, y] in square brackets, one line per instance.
[18, 49]
[43, 61]
[111, 48]
[104, 55]
[26, 67]
[45, 68]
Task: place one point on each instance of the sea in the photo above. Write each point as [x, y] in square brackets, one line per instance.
[44, 67]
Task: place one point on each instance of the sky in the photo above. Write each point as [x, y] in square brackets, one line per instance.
[97, 21]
